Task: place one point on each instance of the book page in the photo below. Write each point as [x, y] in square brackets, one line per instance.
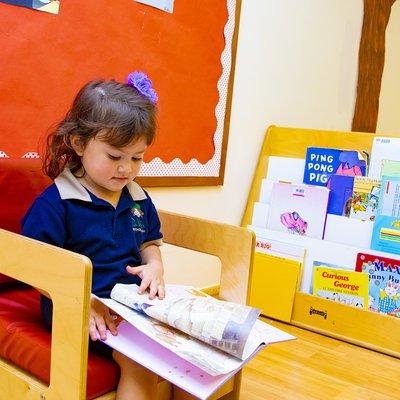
[224, 325]
[264, 333]
[203, 356]
[137, 346]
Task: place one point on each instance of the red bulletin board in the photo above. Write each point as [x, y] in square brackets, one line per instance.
[189, 55]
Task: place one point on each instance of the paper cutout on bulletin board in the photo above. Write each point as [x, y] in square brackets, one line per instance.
[51, 6]
[165, 5]
[48, 61]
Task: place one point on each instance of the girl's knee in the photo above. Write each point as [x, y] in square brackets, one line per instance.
[128, 365]
[124, 361]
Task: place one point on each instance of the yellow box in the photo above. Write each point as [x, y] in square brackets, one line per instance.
[274, 283]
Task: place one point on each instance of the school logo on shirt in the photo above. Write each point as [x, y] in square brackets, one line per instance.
[137, 218]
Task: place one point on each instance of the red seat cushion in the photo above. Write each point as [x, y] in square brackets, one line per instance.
[26, 342]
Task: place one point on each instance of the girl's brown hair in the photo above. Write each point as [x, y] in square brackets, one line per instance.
[116, 110]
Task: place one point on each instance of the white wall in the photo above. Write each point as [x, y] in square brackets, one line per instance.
[389, 102]
[296, 66]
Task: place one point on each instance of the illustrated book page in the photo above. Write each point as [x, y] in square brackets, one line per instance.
[365, 197]
[224, 329]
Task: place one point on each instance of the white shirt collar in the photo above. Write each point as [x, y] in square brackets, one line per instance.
[70, 188]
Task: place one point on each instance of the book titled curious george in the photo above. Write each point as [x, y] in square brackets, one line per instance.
[342, 286]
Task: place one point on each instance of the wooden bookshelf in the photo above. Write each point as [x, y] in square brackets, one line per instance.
[371, 330]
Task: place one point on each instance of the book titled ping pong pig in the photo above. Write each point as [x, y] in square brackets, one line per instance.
[322, 162]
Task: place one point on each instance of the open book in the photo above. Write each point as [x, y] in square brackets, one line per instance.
[191, 339]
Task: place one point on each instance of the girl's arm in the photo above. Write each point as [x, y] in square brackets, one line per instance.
[151, 272]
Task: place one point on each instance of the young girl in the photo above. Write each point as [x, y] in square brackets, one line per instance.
[95, 208]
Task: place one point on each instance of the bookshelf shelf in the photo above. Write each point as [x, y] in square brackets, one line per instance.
[375, 331]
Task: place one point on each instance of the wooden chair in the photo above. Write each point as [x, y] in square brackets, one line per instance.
[66, 276]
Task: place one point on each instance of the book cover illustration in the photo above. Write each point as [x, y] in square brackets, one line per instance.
[384, 283]
[341, 191]
[383, 148]
[386, 230]
[298, 209]
[342, 286]
[323, 162]
[364, 200]
[380, 263]
[217, 340]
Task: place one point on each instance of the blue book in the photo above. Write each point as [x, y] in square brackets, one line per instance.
[384, 291]
[323, 162]
[386, 230]
[341, 190]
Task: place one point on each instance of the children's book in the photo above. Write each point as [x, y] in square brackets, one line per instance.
[347, 287]
[269, 245]
[364, 200]
[189, 338]
[323, 162]
[386, 230]
[383, 148]
[298, 209]
[367, 261]
[384, 282]
[341, 187]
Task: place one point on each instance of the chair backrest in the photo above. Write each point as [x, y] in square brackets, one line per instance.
[21, 180]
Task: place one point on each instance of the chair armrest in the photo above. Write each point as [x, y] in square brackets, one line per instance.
[67, 277]
[234, 246]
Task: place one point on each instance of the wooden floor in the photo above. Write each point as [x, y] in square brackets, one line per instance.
[318, 367]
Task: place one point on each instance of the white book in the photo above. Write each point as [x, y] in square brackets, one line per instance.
[298, 209]
[383, 148]
[285, 169]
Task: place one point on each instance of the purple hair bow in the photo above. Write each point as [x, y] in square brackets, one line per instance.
[142, 83]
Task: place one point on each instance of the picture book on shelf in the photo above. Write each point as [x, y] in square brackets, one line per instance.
[189, 338]
[298, 209]
[342, 286]
[386, 229]
[365, 261]
[364, 200]
[384, 282]
[383, 148]
[341, 190]
[266, 243]
[323, 162]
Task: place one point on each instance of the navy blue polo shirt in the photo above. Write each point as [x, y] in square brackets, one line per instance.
[67, 215]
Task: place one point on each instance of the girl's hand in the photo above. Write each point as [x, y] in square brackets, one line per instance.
[152, 278]
[100, 319]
